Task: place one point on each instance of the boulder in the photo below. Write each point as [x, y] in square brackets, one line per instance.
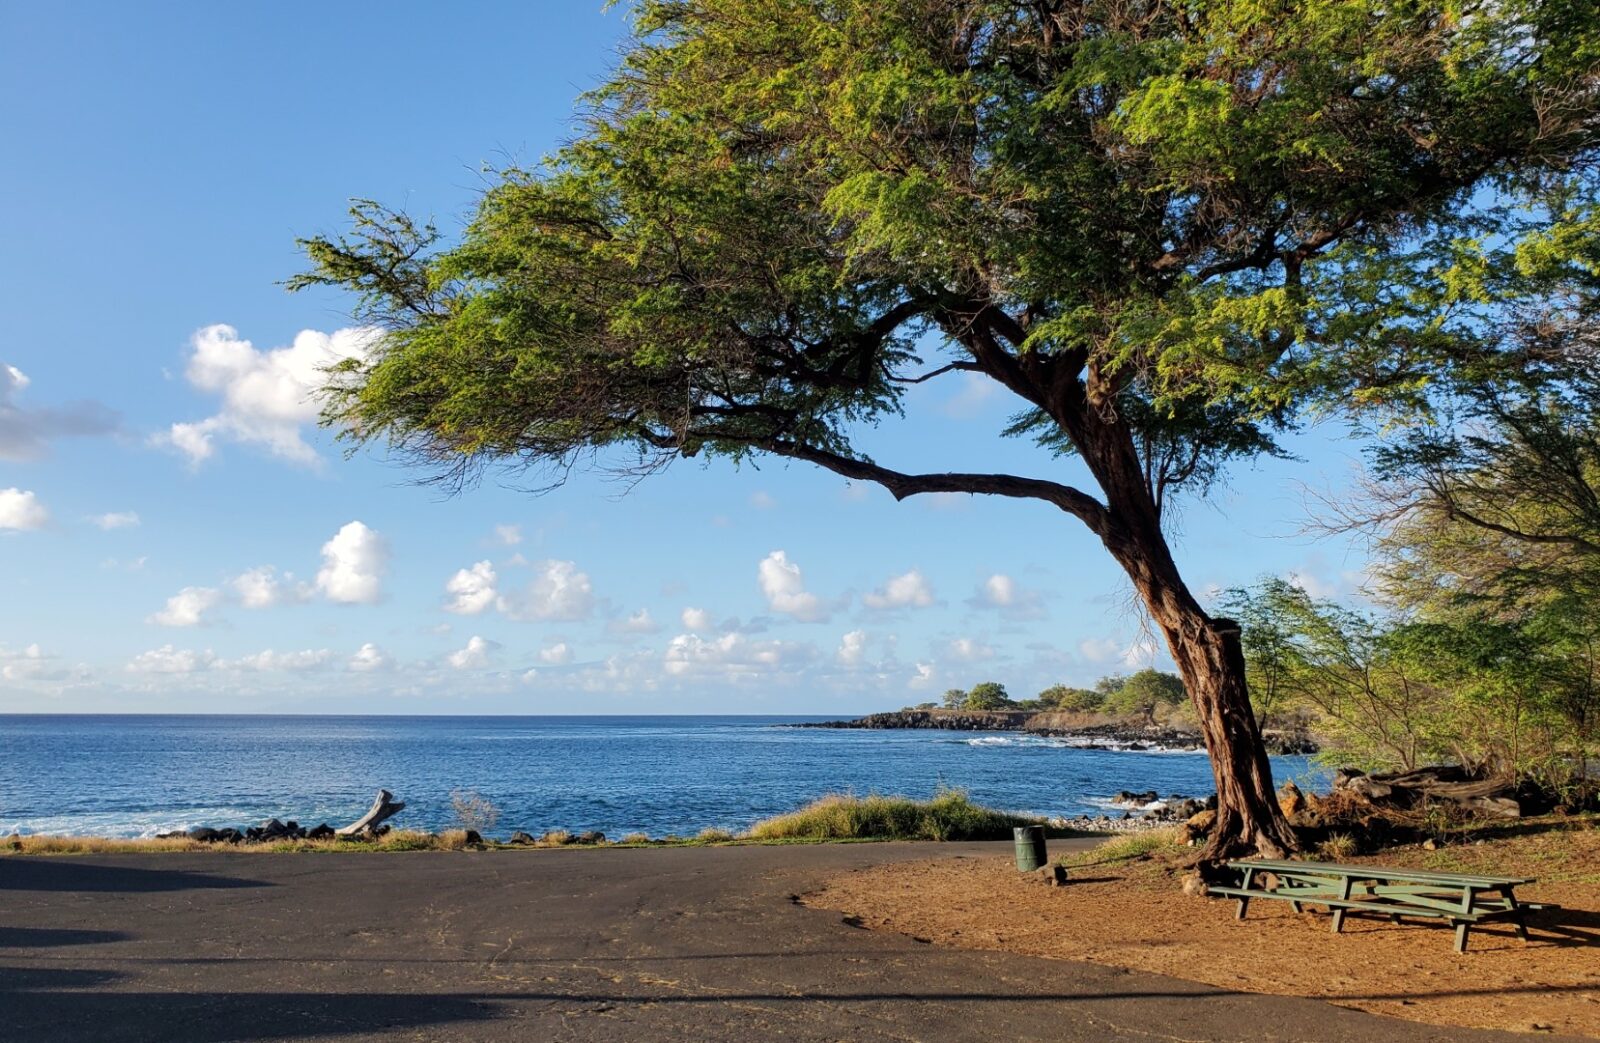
[1127, 797]
[474, 837]
[321, 832]
[1291, 800]
[594, 836]
[519, 837]
[1194, 885]
[205, 834]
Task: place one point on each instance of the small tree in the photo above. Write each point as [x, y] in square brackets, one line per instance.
[988, 695]
[1145, 691]
[1072, 700]
[955, 698]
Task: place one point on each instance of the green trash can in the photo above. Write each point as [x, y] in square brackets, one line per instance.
[1030, 847]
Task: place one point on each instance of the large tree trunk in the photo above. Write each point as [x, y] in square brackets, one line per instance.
[1207, 652]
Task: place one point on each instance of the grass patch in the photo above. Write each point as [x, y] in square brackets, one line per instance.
[948, 816]
[1148, 843]
[394, 840]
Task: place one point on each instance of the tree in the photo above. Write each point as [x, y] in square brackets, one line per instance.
[1143, 692]
[1166, 229]
[1071, 700]
[988, 695]
[955, 699]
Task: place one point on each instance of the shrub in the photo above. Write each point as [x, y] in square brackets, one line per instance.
[635, 838]
[1338, 846]
[713, 835]
[473, 810]
[1072, 700]
[556, 837]
[948, 816]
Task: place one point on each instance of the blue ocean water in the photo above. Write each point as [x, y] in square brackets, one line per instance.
[140, 775]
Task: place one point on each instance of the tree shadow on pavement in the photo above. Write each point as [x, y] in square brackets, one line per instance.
[59, 874]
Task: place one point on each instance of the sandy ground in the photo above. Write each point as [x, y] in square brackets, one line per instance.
[1133, 916]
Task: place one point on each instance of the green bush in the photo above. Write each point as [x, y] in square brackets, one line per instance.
[948, 816]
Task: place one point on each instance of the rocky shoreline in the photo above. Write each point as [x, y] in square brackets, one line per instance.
[1080, 730]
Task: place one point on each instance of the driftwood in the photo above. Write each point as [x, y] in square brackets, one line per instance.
[383, 806]
[1493, 796]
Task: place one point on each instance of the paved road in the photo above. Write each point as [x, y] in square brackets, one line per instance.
[616, 945]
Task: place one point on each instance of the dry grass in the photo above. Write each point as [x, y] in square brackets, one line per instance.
[395, 840]
[948, 816]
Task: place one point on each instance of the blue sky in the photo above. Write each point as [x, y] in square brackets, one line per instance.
[176, 535]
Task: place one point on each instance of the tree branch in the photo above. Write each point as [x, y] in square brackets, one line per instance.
[901, 485]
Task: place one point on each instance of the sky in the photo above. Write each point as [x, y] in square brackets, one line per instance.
[178, 535]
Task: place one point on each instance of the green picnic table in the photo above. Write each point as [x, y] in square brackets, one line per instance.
[1462, 899]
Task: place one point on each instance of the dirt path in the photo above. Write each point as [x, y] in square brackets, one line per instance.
[699, 944]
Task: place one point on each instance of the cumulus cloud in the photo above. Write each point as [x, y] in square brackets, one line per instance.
[924, 677]
[187, 608]
[762, 500]
[476, 654]
[29, 664]
[698, 619]
[471, 590]
[852, 648]
[1005, 595]
[269, 660]
[559, 591]
[353, 564]
[910, 590]
[733, 657]
[170, 660]
[116, 520]
[969, 650]
[263, 587]
[1100, 649]
[556, 655]
[367, 658]
[1139, 654]
[638, 623]
[508, 535]
[785, 589]
[266, 395]
[21, 510]
[25, 434]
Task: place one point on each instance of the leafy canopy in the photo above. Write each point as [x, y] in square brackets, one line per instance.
[1167, 228]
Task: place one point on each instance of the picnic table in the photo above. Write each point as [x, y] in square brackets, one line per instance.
[1462, 899]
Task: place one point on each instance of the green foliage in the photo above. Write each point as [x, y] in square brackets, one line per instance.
[1069, 699]
[988, 695]
[1166, 229]
[948, 816]
[1142, 693]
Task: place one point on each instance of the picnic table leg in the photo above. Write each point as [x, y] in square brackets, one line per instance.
[1518, 914]
[1244, 902]
[1338, 914]
[1462, 927]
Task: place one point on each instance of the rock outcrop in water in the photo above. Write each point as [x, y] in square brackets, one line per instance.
[1087, 731]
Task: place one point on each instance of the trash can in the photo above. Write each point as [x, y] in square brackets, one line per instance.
[1030, 847]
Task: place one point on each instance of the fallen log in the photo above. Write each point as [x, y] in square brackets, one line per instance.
[1494, 796]
[383, 806]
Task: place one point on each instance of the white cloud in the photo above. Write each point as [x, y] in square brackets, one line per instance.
[27, 664]
[925, 677]
[969, 650]
[556, 655]
[475, 654]
[1139, 654]
[852, 648]
[698, 619]
[266, 395]
[1314, 585]
[188, 607]
[21, 510]
[25, 433]
[262, 587]
[369, 657]
[116, 520]
[785, 590]
[908, 591]
[170, 660]
[508, 535]
[559, 591]
[733, 657]
[353, 564]
[1008, 597]
[471, 590]
[638, 623]
[268, 660]
[970, 400]
[1100, 649]
[762, 500]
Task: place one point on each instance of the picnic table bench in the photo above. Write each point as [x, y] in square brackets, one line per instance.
[1462, 899]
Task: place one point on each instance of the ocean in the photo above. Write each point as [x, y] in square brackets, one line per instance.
[141, 775]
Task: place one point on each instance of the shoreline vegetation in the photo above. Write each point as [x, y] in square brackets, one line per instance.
[1091, 731]
[837, 817]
